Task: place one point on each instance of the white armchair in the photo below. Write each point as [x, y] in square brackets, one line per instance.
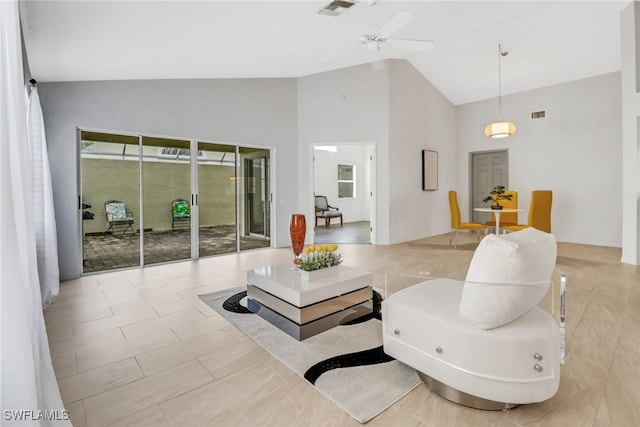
[485, 342]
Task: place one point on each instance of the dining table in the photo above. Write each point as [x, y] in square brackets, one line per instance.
[497, 213]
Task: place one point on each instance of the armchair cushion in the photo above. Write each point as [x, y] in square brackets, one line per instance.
[180, 209]
[507, 277]
[116, 211]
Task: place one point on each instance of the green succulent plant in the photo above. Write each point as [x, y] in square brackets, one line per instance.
[497, 194]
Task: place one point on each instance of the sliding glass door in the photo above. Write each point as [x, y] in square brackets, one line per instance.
[152, 200]
[110, 201]
[257, 195]
[166, 195]
[217, 199]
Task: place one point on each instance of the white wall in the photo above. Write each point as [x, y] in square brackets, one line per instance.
[404, 114]
[420, 118]
[575, 151]
[630, 64]
[351, 104]
[254, 112]
[326, 179]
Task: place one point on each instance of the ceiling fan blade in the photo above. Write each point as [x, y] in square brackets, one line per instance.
[398, 21]
[417, 45]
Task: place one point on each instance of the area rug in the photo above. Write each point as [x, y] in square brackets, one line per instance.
[346, 363]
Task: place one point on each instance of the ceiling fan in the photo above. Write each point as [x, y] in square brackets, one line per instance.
[374, 40]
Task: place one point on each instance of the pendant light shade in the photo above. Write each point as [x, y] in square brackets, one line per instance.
[500, 128]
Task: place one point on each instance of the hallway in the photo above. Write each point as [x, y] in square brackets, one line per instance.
[350, 232]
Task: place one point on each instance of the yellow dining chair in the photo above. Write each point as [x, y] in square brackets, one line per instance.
[507, 218]
[539, 212]
[457, 224]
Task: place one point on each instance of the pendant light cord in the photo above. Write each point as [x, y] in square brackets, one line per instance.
[501, 53]
[499, 82]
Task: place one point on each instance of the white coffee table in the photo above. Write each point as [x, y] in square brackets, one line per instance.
[303, 308]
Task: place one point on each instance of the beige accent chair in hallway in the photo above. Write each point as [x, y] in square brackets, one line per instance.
[327, 212]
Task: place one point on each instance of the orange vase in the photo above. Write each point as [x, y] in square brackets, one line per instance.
[297, 230]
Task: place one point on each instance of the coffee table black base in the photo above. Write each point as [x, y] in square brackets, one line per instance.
[304, 331]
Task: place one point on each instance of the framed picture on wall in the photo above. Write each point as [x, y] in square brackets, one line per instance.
[429, 170]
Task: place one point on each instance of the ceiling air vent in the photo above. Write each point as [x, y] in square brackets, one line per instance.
[538, 114]
[336, 7]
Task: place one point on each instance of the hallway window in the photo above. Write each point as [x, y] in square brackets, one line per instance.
[347, 181]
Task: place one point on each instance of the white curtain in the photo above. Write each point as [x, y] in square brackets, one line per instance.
[45, 221]
[29, 392]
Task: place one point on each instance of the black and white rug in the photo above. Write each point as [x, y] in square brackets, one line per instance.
[346, 363]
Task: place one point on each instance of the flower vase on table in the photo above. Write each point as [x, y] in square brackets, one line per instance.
[319, 261]
[297, 231]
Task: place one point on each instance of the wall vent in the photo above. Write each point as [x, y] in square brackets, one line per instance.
[336, 7]
[538, 114]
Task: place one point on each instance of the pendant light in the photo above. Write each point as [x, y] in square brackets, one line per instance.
[500, 128]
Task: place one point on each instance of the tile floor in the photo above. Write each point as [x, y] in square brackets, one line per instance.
[137, 347]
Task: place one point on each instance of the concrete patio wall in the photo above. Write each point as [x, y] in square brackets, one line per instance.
[107, 179]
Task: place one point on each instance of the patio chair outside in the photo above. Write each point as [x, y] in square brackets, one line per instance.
[180, 213]
[118, 217]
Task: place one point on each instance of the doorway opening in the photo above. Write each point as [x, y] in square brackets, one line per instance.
[345, 174]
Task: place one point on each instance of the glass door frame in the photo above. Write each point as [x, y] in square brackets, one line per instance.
[99, 210]
[266, 234]
[195, 212]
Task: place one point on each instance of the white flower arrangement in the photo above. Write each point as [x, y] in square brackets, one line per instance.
[315, 257]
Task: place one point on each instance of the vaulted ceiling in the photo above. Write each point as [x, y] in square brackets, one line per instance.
[549, 42]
